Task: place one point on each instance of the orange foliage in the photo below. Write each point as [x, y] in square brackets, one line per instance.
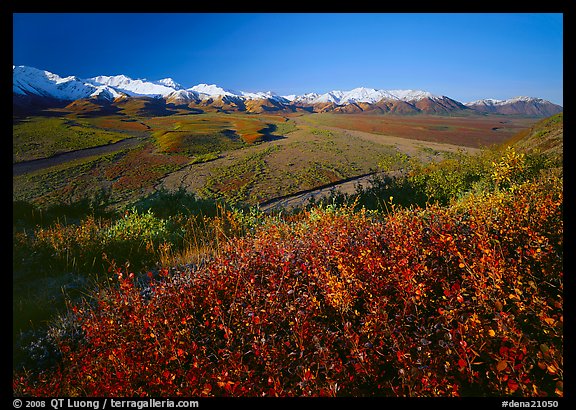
[464, 300]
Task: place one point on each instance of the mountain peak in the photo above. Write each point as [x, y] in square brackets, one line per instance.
[493, 101]
[29, 81]
[135, 87]
[213, 90]
[169, 82]
[413, 95]
[516, 106]
[362, 94]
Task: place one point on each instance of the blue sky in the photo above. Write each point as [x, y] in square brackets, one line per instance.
[463, 56]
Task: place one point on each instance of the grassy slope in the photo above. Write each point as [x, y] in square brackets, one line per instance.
[306, 153]
[307, 156]
[475, 132]
[39, 137]
[173, 141]
[346, 274]
[546, 136]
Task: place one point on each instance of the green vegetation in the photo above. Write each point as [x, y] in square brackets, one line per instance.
[196, 143]
[546, 136]
[444, 278]
[283, 128]
[409, 181]
[165, 144]
[126, 174]
[234, 183]
[174, 150]
[65, 183]
[38, 137]
[321, 131]
[455, 300]
[210, 156]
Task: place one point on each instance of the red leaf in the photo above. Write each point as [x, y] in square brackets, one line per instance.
[512, 385]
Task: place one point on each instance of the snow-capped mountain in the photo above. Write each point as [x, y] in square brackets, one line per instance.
[268, 95]
[42, 82]
[361, 94]
[212, 90]
[492, 101]
[135, 88]
[182, 97]
[33, 84]
[168, 82]
[31, 81]
[307, 98]
[413, 95]
[516, 106]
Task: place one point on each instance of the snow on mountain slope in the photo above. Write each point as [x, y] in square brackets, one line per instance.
[28, 81]
[31, 81]
[413, 95]
[168, 82]
[212, 90]
[307, 98]
[361, 95]
[485, 101]
[334, 96]
[182, 96]
[260, 95]
[517, 105]
[137, 87]
[494, 102]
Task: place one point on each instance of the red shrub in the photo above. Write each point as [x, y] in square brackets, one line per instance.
[464, 300]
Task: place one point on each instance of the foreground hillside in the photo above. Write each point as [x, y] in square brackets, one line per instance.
[546, 136]
[455, 300]
[445, 280]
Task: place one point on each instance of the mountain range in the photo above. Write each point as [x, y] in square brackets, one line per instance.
[38, 88]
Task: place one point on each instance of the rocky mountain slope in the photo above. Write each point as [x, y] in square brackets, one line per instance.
[39, 88]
